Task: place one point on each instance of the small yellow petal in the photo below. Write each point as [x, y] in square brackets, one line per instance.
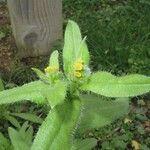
[51, 69]
[78, 66]
[77, 74]
[135, 145]
[47, 69]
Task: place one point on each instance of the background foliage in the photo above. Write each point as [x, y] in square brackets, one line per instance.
[118, 32]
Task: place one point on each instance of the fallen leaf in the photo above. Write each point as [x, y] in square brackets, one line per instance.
[127, 120]
[135, 145]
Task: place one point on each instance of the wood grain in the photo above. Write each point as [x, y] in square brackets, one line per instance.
[36, 24]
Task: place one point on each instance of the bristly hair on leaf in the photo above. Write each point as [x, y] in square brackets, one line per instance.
[74, 47]
[106, 84]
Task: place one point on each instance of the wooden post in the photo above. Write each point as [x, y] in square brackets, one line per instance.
[36, 24]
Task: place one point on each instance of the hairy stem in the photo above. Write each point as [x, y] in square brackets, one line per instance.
[58, 129]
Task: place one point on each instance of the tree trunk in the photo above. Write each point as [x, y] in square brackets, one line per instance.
[36, 24]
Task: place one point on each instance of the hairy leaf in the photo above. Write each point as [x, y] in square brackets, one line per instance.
[109, 85]
[54, 59]
[84, 52]
[72, 41]
[56, 94]
[40, 74]
[57, 130]
[31, 91]
[74, 47]
[98, 112]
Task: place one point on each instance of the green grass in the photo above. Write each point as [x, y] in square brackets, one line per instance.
[118, 32]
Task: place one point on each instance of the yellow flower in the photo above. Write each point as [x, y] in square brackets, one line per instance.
[51, 69]
[78, 66]
[77, 74]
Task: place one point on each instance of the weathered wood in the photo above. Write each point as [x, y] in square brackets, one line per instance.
[36, 24]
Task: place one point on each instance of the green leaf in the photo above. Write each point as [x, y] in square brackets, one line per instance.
[22, 139]
[86, 144]
[12, 120]
[54, 59]
[109, 85]
[38, 92]
[26, 132]
[28, 116]
[56, 94]
[99, 112]
[84, 52]
[57, 130]
[31, 91]
[40, 74]
[4, 143]
[72, 41]
[74, 47]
